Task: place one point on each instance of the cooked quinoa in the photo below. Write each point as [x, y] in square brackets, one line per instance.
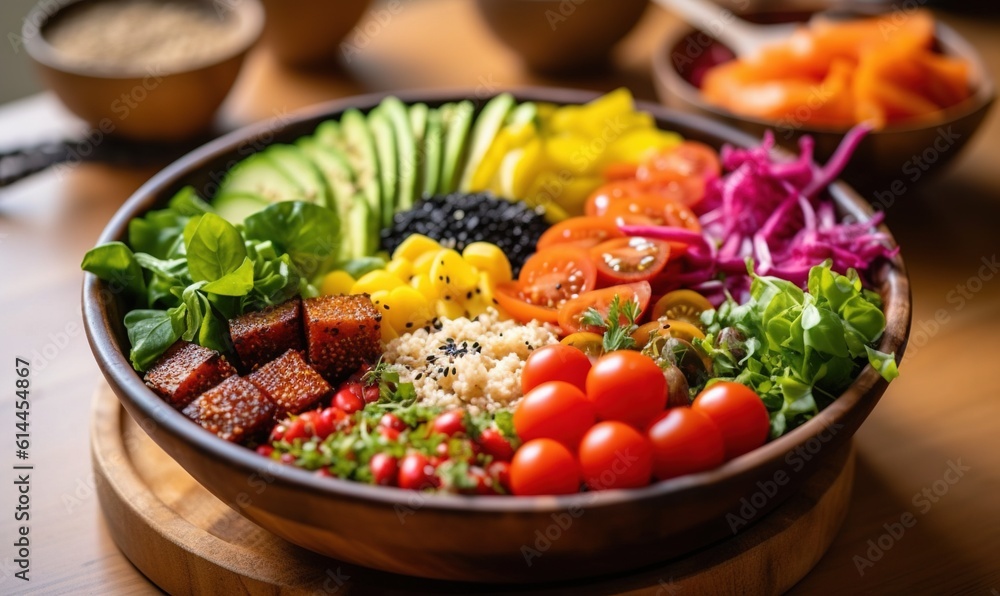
[460, 362]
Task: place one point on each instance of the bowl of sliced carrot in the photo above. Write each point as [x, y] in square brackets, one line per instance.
[916, 82]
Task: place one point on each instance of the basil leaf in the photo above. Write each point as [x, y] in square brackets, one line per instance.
[151, 332]
[115, 264]
[214, 247]
[306, 232]
[234, 283]
[187, 202]
[884, 363]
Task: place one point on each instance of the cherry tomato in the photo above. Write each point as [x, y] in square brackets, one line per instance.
[684, 441]
[556, 362]
[310, 420]
[495, 445]
[499, 471]
[620, 171]
[683, 330]
[449, 423]
[689, 159]
[682, 305]
[544, 467]
[296, 429]
[384, 468]
[738, 412]
[484, 483]
[627, 386]
[554, 410]
[416, 472]
[370, 393]
[332, 417]
[648, 330]
[626, 260]
[548, 279]
[390, 434]
[599, 200]
[587, 342]
[390, 420]
[571, 313]
[348, 401]
[265, 450]
[582, 232]
[615, 455]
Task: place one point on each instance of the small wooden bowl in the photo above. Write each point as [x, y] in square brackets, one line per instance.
[483, 539]
[554, 36]
[149, 105]
[897, 153]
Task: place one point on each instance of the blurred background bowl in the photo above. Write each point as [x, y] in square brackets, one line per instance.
[883, 157]
[554, 36]
[143, 103]
[307, 33]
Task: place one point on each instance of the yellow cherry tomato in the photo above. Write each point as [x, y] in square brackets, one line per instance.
[336, 283]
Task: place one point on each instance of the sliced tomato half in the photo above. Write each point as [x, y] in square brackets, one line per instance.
[582, 232]
[548, 279]
[626, 260]
[659, 210]
[571, 313]
[689, 159]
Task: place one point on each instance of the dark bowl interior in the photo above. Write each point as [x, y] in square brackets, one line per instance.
[481, 538]
[898, 152]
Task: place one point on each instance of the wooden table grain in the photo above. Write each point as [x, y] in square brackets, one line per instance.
[930, 449]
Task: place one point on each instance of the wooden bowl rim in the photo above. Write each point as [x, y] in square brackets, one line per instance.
[863, 393]
[949, 38]
[251, 22]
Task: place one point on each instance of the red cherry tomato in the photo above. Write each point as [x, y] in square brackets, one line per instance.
[547, 280]
[544, 467]
[571, 313]
[449, 423]
[554, 410]
[690, 159]
[627, 260]
[557, 362]
[296, 429]
[384, 468]
[417, 473]
[627, 386]
[495, 445]
[348, 401]
[615, 455]
[739, 413]
[684, 441]
[390, 420]
[658, 209]
[500, 472]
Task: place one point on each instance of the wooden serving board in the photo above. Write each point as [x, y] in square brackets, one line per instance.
[187, 541]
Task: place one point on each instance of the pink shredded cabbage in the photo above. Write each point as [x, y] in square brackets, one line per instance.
[774, 212]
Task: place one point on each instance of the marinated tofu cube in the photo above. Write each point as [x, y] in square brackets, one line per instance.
[290, 383]
[185, 371]
[234, 409]
[342, 333]
[260, 337]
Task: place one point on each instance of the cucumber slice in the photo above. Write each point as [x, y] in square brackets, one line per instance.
[522, 113]
[358, 243]
[418, 124]
[356, 142]
[235, 206]
[433, 141]
[258, 175]
[332, 163]
[328, 133]
[418, 120]
[488, 124]
[385, 148]
[457, 118]
[406, 150]
[300, 168]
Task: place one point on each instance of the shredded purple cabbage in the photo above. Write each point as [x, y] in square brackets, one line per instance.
[775, 213]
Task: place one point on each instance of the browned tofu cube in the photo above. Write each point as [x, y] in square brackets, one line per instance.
[342, 332]
[290, 383]
[186, 370]
[260, 337]
[234, 409]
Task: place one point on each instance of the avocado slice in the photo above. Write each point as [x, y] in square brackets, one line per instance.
[385, 149]
[488, 124]
[406, 150]
[258, 175]
[328, 132]
[522, 113]
[340, 179]
[354, 140]
[235, 206]
[359, 242]
[418, 124]
[432, 145]
[300, 168]
[457, 118]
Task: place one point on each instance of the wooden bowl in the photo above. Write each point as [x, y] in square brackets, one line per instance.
[554, 36]
[486, 539]
[146, 103]
[898, 154]
[308, 33]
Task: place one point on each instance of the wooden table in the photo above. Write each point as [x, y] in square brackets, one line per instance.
[941, 413]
